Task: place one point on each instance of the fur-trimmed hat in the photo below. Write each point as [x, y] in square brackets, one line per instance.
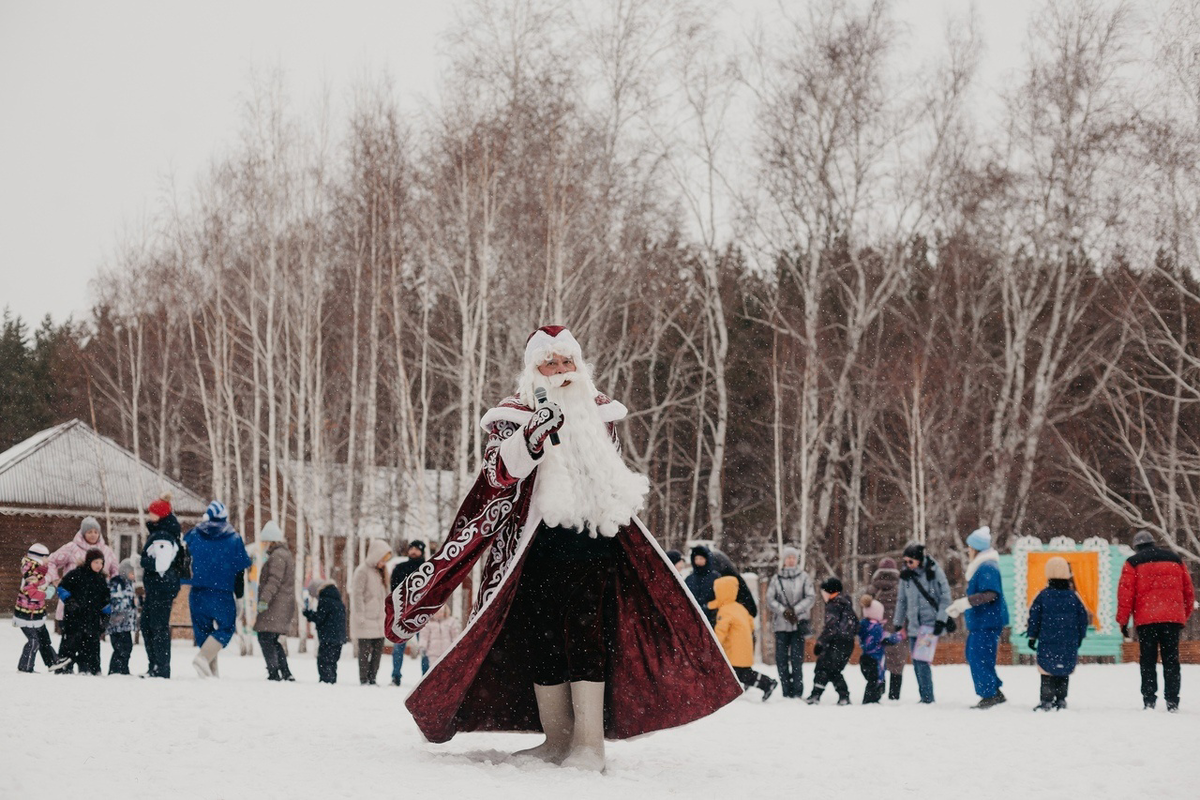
[91, 555]
[1057, 568]
[791, 551]
[831, 585]
[548, 340]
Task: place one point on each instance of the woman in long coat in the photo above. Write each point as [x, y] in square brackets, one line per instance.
[276, 602]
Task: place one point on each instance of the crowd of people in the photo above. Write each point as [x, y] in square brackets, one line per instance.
[98, 597]
[902, 612]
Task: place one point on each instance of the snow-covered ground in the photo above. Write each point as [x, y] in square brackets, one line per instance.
[242, 737]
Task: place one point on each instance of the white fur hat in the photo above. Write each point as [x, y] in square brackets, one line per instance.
[548, 340]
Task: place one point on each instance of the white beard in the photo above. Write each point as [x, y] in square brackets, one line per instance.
[583, 482]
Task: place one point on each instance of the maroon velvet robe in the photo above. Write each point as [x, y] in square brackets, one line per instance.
[666, 667]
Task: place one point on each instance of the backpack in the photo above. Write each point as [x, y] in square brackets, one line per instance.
[183, 562]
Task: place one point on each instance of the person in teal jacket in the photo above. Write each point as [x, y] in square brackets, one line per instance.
[986, 616]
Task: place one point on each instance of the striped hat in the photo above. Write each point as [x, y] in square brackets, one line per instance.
[38, 552]
[216, 511]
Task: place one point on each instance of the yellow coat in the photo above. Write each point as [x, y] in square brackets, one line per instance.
[735, 626]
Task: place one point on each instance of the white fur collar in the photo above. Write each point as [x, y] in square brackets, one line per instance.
[987, 555]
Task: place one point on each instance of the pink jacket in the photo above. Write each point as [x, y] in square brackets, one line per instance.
[437, 637]
[71, 554]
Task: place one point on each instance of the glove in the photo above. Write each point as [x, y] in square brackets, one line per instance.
[1033, 645]
[107, 609]
[938, 627]
[958, 606]
[262, 606]
[790, 616]
[63, 594]
[818, 648]
[547, 419]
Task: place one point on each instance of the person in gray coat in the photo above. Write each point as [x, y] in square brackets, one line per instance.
[276, 602]
[922, 599]
[790, 597]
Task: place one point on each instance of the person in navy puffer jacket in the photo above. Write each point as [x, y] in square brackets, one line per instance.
[986, 615]
[330, 618]
[1058, 621]
[219, 560]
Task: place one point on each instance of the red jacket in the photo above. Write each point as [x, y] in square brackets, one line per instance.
[1155, 587]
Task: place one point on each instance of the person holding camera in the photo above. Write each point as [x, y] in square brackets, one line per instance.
[790, 597]
[923, 598]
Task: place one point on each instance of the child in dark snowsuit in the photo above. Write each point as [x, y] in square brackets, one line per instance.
[30, 612]
[835, 643]
[1058, 621]
[85, 595]
[330, 619]
[735, 632]
[123, 620]
[872, 640]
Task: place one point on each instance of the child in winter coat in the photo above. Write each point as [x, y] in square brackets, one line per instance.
[1058, 621]
[330, 618]
[872, 640]
[835, 643]
[735, 632]
[85, 596]
[30, 612]
[123, 620]
[437, 636]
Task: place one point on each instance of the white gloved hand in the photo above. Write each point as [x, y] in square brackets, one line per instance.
[958, 606]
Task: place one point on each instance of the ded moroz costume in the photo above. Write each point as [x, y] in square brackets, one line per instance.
[564, 556]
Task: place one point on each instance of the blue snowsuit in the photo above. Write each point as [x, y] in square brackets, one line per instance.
[1059, 621]
[985, 622]
[218, 557]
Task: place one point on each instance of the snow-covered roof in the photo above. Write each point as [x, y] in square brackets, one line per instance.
[71, 468]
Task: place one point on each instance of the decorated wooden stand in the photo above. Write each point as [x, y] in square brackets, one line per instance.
[1096, 567]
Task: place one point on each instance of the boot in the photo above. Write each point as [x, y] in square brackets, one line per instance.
[1047, 694]
[1060, 692]
[815, 697]
[767, 685]
[272, 674]
[895, 680]
[558, 722]
[285, 674]
[205, 661]
[587, 738]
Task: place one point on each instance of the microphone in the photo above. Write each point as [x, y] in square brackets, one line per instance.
[540, 394]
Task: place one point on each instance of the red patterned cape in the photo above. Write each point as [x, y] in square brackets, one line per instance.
[666, 667]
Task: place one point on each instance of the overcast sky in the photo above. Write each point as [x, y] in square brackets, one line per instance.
[103, 104]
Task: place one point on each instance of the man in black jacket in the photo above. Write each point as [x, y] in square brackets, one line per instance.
[400, 573]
